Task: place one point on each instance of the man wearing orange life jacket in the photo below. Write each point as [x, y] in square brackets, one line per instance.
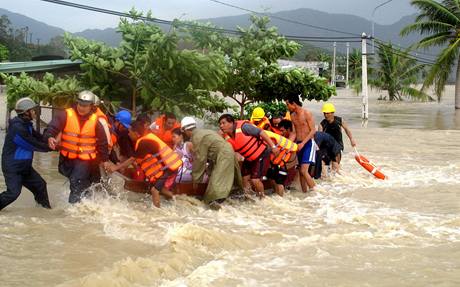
[283, 175]
[83, 144]
[259, 119]
[163, 127]
[251, 142]
[278, 170]
[157, 160]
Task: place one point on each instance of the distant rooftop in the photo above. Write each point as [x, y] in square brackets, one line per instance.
[36, 66]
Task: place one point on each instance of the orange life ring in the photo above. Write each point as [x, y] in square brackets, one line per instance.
[369, 166]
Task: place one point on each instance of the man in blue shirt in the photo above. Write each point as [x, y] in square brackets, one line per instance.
[18, 150]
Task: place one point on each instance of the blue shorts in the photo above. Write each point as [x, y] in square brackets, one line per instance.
[307, 154]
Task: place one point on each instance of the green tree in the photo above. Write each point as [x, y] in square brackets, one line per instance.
[397, 73]
[281, 84]
[55, 47]
[4, 53]
[440, 23]
[58, 92]
[355, 70]
[250, 55]
[150, 63]
[13, 40]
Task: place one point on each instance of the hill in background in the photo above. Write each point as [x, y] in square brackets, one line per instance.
[341, 22]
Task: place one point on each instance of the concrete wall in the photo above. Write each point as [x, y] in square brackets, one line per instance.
[3, 109]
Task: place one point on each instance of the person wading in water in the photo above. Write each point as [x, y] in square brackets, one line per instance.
[303, 133]
[18, 151]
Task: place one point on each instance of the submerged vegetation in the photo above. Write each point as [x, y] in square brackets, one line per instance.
[439, 22]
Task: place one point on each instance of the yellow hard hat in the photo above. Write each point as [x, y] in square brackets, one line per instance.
[258, 114]
[328, 108]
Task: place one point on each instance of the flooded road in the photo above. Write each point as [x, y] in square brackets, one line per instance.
[352, 231]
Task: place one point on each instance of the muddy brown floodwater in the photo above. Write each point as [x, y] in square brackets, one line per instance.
[353, 230]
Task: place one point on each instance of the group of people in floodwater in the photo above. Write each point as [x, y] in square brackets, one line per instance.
[242, 157]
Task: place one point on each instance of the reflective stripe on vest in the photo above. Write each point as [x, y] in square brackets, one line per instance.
[154, 165]
[76, 142]
[104, 120]
[248, 146]
[287, 148]
[263, 124]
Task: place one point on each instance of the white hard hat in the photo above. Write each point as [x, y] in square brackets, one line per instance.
[97, 100]
[188, 123]
[24, 104]
[86, 97]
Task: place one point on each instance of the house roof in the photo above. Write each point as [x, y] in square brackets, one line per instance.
[34, 66]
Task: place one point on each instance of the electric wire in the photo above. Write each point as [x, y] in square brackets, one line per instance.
[342, 39]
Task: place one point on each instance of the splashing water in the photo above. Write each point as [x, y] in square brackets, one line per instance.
[353, 230]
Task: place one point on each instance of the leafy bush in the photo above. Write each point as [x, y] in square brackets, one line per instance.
[59, 92]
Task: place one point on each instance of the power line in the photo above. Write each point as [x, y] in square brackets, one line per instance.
[407, 56]
[323, 40]
[415, 56]
[221, 30]
[315, 37]
[127, 15]
[405, 48]
[182, 23]
[285, 19]
[303, 24]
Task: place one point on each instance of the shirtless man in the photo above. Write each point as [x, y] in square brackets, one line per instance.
[303, 134]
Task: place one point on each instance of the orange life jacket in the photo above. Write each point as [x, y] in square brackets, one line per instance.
[263, 124]
[287, 148]
[100, 114]
[275, 130]
[164, 135]
[79, 142]
[107, 127]
[248, 146]
[154, 165]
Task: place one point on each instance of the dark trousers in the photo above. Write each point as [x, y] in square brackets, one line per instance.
[28, 178]
[81, 173]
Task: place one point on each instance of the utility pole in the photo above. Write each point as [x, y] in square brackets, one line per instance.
[38, 41]
[333, 65]
[365, 110]
[30, 41]
[348, 60]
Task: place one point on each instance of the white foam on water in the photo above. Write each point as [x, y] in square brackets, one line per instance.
[242, 241]
[204, 275]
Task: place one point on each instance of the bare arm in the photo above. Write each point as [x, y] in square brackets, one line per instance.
[122, 165]
[320, 128]
[293, 135]
[189, 147]
[349, 134]
[270, 143]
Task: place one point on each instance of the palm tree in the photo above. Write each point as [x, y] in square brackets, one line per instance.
[397, 73]
[440, 22]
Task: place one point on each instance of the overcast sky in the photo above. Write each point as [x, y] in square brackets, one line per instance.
[74, 20]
